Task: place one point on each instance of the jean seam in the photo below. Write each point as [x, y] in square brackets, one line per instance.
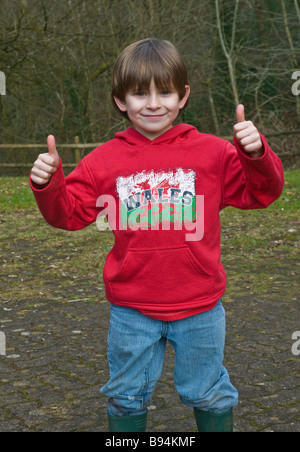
[146, 388]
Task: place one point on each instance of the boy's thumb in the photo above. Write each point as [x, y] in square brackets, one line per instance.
[52, 147]
[240, 113]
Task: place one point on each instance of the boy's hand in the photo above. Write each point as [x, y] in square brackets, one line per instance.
[46, 164]
[247, 134]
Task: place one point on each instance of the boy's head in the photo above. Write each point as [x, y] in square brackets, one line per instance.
[145, 61]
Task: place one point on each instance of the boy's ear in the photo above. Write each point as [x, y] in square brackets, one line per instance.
[120, 104]
[183, 101]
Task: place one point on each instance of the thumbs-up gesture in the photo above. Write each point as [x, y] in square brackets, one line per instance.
[247, 134]
[46, 164]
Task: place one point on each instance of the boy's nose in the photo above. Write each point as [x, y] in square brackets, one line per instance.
[153, 102]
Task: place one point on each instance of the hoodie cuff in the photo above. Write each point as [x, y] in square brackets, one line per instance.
[246, 155]
[53, 183]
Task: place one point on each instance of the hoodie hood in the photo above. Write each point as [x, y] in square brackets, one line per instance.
[177, 133]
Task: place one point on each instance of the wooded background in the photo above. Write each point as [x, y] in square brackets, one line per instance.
[58, 56]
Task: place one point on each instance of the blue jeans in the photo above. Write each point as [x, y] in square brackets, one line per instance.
[136, 348]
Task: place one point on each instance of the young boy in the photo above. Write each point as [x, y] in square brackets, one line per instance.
[163, 282]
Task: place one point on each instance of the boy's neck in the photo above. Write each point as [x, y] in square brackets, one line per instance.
[152, 135]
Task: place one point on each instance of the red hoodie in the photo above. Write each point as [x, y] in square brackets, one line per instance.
[158, 265]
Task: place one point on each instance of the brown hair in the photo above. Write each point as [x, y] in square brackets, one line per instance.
[146, 59]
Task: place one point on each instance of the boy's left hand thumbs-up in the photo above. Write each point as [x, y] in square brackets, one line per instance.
[247, 134]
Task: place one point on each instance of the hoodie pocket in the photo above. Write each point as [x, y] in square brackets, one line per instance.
[163, 275]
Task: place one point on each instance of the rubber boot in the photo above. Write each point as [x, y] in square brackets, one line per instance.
[135, 423]
[208, 422]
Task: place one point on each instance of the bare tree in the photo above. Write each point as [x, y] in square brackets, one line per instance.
[58, 59]
[229, 48]
[293, 54]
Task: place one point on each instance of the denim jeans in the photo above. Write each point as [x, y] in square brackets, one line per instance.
[136, 348]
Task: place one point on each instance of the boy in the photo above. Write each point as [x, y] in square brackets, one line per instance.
[163, 284]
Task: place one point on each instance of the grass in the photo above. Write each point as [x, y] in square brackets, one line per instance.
[257, 228]
[15, 194]
[257, 247]
[51, 285]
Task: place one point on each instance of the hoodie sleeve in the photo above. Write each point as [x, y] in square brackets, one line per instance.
[68, 203]
[250, 183]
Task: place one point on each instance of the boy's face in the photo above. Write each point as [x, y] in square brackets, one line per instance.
[152, 112]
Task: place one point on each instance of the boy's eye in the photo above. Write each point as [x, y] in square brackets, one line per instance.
[144, 93]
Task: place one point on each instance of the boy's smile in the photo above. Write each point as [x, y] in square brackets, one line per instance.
[153, 112]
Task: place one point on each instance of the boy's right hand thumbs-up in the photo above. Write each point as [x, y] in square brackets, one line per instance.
[46, 164]
[247, 134]
[52, 149]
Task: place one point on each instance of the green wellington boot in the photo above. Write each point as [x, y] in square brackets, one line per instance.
[214, 422]
[136, 423]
